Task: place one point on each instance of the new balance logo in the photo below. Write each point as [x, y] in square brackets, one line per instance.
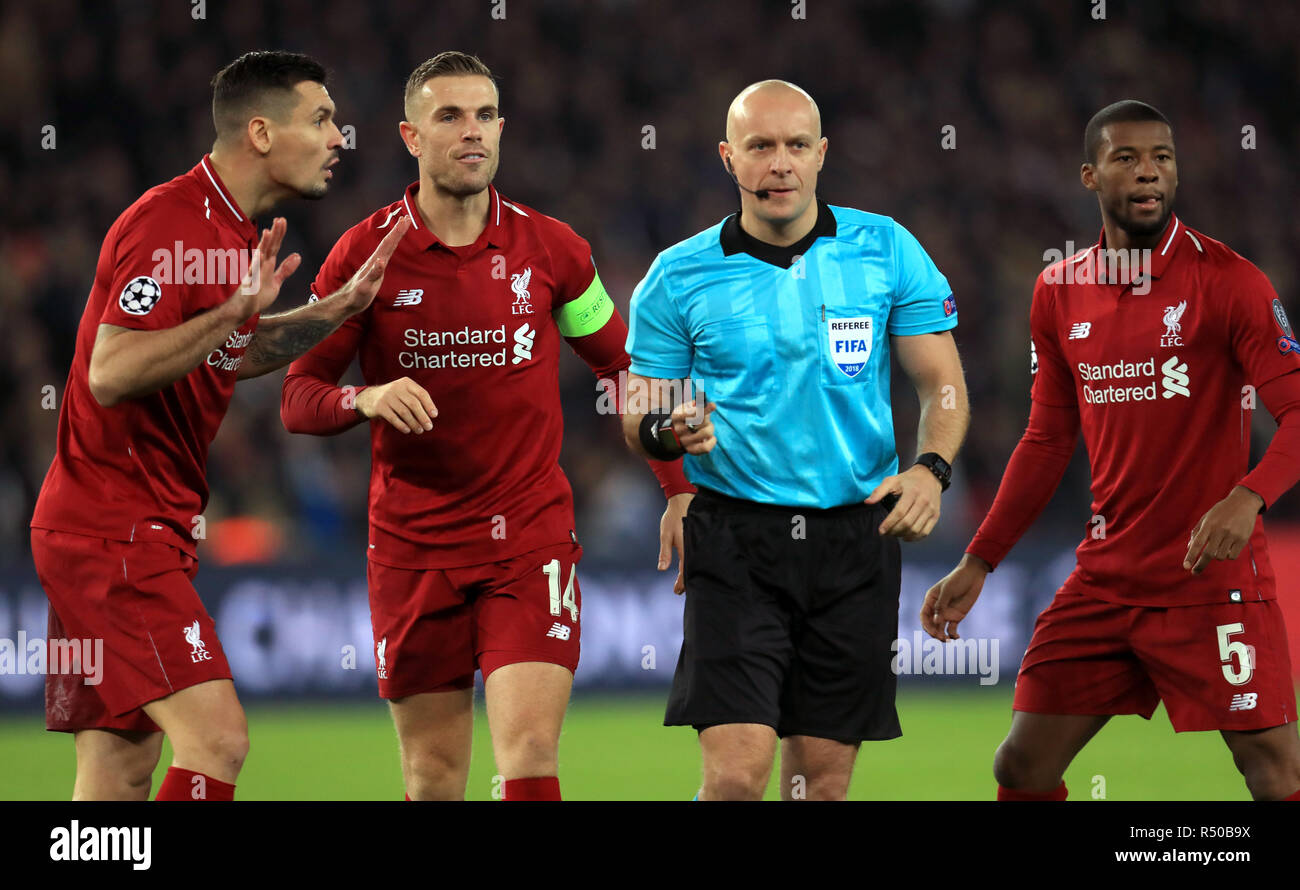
[198, 650]
[562, 632]
[1080, 330]
[410, 297]
[1175, 380]
[1243, 701]
[523, 343]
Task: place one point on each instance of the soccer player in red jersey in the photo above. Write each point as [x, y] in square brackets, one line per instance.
[1158, 353]
[168, 329]
[472, 554]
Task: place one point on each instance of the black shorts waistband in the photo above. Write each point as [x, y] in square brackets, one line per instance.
[756, 506]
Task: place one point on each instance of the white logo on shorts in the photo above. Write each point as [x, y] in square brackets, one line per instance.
[559, 631]
[1243, 701]
[381, 652]
[199, 651]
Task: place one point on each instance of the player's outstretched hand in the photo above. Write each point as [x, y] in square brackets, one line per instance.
[1223, 532]
[947, 602]
[694, 429]
[360, 290]
[670, 538]
[261, 285]
[917, 509]
[403, 403]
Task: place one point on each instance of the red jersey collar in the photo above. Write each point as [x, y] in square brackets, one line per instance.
[219, 200]
[1161, 255]
[491, 236]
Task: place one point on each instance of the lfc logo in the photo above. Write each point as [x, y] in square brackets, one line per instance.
[519, 285]
[198, 650]
[1173, 326]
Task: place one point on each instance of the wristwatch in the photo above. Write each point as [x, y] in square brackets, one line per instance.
[935, 464]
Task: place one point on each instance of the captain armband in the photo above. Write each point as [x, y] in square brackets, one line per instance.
[586, 313]
[658, 437]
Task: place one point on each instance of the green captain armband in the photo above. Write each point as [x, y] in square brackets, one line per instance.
[585, 314]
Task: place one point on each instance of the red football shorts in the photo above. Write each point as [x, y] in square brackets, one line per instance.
[1217, 666]
[139, 600]
[434, 627]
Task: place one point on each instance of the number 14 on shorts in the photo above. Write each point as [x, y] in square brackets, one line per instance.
[568, 601]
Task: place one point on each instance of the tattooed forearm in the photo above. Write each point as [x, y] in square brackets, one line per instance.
[282, 338]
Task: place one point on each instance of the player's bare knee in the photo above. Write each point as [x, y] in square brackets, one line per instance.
[736, 779]
[138, 771]
[1271, 771]
[228, 747]
[430, 783]
[823, 786]
[435, 771]
[1013, 767]
[727, 784]
[529, 753]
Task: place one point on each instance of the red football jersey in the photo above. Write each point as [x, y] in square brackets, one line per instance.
[473, 326]
[137, 471]
[1163, 373]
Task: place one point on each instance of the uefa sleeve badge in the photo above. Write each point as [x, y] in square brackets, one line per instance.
[140, 296]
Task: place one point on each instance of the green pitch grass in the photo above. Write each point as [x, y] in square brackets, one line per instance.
[617, 749]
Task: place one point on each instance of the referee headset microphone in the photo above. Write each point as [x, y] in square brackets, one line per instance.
[761, 194]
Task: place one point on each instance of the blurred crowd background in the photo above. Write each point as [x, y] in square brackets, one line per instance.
[125, 85]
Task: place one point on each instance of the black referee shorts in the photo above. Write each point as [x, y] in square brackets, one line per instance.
[791, 615]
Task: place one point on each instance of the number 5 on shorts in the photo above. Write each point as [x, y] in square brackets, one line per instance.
[552, 570]
[1240, 675]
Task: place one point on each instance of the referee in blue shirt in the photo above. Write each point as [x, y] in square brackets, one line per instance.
[786, 314]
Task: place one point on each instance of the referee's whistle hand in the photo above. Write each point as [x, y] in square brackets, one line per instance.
[694, 430]
[917, 510]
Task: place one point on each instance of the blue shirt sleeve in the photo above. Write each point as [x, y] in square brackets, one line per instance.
[657, 338]
[923, 301]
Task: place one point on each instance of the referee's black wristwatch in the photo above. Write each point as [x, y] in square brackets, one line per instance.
[935, 464]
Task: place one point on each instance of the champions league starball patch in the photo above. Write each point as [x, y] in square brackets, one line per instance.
[140, 296]
[1287, 342]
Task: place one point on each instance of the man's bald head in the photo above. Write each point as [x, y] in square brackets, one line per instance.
[770, 95]
[774, 151]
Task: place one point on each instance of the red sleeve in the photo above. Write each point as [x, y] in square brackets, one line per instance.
[311, 400]
[1044, 451]
[604, 353]
[141, 293]
[1263, 341]
[1053, 383]
[571, 264]
[1031, 477]
[1279, 469]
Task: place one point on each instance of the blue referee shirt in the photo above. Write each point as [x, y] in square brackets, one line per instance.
[791, 345]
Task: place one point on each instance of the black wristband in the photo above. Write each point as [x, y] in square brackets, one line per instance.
[941, 469]
[658, 438]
